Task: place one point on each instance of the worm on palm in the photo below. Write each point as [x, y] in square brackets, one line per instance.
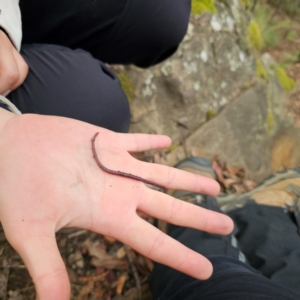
[119, 173]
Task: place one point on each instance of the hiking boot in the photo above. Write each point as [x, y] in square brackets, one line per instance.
[197, 165]
[280, 189]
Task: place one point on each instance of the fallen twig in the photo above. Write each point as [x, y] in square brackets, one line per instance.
[135, 273]
[77, 233]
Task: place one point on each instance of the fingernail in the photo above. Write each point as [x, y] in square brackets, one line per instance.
[6, 93]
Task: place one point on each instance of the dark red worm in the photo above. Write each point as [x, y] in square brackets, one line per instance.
[119, 172]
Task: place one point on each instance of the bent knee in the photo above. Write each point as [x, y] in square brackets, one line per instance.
[71, 83]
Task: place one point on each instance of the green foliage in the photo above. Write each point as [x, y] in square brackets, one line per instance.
[127, 85]
[262, 15]
[285, 80]
[292, 35]
[261, 72]
[254, 36]
[270, 26]
[291, 58]
[291, 7]
[201, 6]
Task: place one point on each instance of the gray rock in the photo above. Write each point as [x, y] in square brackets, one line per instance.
[209, 69]
[242, 134]
[213, 73]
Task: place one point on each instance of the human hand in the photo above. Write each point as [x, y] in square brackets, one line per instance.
[13, 68]
[50, 180]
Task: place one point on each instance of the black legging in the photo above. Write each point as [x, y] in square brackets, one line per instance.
[75, 83]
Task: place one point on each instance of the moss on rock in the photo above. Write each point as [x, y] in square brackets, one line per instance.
[246, 3]
[127, 85]
[210, 114]
[201, 6]
[261, 71]
[270, 122]
[254, 36]
[285, 80]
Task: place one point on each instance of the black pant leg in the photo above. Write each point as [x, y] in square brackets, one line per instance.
[232, 278]
[71, 83]
[202, 242]
[142, 32]
[269, 237]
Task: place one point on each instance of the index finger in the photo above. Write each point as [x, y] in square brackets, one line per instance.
[136, 142]
[176, 179]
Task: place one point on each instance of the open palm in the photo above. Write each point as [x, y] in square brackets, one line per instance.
[50, 180]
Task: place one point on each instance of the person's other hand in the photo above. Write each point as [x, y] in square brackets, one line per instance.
[13, 68]
[50, 180]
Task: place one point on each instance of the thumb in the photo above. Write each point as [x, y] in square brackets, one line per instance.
[46, 267]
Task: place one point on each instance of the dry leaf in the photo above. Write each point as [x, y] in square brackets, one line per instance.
[98, 293]
[228, 182]
[140, 261]
[109, 239]
[239, 188]
[218, 170]
[149, 263]
[120, 284]
[83, 294]
[109, 262]
[132, 253]
[111, 277]
[233, 170]
[102, 259]
[93, 278]
[249, 185]
[121, 253]
[241, 173]
[229, 175]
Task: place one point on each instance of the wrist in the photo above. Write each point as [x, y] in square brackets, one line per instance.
[4, 33]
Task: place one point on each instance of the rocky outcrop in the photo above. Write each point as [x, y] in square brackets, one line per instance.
[210, 68]
[213, 74]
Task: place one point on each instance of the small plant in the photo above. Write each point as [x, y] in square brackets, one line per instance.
[254, 36]
[290, 59]
[201, 6]
[292, 35]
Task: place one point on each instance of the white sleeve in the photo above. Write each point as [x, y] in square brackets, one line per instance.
[10, 20]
